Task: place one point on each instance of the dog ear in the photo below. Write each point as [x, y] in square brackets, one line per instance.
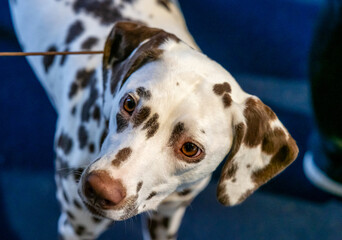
[261, 149]
[128, 47]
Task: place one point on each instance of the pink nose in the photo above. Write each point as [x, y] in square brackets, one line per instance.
[104, 191]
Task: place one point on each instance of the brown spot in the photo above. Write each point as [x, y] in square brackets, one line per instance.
[73, 110]
[230, 172]
[248, 166]
[143, 93]
[184, 192]
[75, 30]
[219, 89]
[152, 194]
[73, 89]
[65, 143]
[151, 125]
[80, 230]
[139, 186]
[96, 113]
[177, 132]
[165, 222]
[96, 220]
[141, 116]
[82, 136]
[70, 215]
[121, 122]
[104, 10]
[84, 76]
[245, 195]
[91, 147]
[273, 140]
[165, 4]
[48, 60]
[104, 133]
[285, 154]
[64, 57]
[257, 122]
[65, 196]
[77, 204]
[221, 194]
[227, 100]
[89, 43]
[86, 112]
[122, 156]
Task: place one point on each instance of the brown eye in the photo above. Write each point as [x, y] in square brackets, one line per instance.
[190, 150]
[129, 104]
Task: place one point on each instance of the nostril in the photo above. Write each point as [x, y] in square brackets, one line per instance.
[89, 191]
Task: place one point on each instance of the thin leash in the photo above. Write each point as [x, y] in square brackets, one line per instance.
[19, 54]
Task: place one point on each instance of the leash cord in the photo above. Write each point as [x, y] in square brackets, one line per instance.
[16, 54]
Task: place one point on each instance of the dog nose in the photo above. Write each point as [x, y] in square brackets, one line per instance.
[104, 191]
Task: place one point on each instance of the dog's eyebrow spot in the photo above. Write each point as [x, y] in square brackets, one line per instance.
[121, 122]
[48, 59]
[143, 93]
[152, 194]
[203, 131]
[177, 131]
[141, 116]
[219, 89]
[121, 156]
[139, 186]
[152, 126]
[75, 30]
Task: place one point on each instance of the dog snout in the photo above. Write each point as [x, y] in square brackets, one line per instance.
[103, 191]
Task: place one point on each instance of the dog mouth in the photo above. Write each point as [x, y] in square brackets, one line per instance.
[94, 211]
[123, 211]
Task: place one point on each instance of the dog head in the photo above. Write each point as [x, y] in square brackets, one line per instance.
[173, 116]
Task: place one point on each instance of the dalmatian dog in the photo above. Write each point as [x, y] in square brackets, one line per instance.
[142, 127]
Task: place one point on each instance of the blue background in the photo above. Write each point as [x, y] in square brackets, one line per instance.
[265, 45]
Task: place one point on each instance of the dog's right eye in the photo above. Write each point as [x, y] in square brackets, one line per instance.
[129, 104]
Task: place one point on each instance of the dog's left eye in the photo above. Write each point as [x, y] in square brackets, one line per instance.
[129, 104]
[190, 149]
